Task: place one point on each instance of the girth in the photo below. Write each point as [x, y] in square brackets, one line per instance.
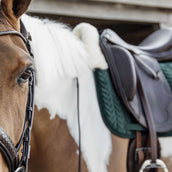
[7, 148]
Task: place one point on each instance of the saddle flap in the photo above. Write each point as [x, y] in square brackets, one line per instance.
[159, 97]
[122, 69]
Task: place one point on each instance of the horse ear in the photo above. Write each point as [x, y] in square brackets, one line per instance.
[20, 7]
[15, 7]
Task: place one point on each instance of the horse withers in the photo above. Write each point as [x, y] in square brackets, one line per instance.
[16, 79]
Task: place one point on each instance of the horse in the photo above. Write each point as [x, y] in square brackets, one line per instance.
[61, 56]
[16, 74]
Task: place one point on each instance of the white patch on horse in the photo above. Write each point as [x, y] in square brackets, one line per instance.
[166, 150]
[59, 58]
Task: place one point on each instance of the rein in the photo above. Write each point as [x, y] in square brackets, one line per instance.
[7, 148]
[79, 127]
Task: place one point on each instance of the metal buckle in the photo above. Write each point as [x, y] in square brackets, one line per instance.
[143, 149]
[20, 169]
[148, 165]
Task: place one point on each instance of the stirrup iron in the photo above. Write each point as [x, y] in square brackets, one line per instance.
[148, 165]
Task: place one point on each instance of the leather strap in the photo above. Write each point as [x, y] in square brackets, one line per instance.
[8, 150]
[139, 151]
[150, 121]
[13, 32]
[79, 127]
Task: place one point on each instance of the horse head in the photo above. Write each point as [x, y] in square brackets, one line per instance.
[16, 70]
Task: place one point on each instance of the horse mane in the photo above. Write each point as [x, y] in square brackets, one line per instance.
[60, 57]
[62, 49]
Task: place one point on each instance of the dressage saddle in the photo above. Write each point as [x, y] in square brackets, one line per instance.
[139, 82]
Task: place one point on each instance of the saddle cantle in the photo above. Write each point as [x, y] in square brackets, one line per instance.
[128, 63]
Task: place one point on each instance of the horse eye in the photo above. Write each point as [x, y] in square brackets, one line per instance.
[25, 76]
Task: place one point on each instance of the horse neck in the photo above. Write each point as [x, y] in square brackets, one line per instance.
[56, 134]
[3, 166]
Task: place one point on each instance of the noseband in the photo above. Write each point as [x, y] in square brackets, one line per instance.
[7, 148]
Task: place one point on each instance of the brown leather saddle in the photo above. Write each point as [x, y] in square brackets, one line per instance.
[139, 81]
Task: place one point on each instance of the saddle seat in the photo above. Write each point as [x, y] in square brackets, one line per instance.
[157, 45]
[159, 41]
[130, 65]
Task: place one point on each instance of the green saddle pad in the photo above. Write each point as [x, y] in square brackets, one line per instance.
[115, 115]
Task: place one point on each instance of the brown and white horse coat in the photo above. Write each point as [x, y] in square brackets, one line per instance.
[60, 58]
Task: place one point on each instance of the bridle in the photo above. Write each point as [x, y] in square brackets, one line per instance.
[7, 148]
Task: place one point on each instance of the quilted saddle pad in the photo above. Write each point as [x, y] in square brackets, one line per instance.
[114, 113]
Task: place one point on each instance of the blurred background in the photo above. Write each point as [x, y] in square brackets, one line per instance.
[133, 20]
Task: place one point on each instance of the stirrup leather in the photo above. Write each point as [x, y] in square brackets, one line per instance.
[148, 165]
